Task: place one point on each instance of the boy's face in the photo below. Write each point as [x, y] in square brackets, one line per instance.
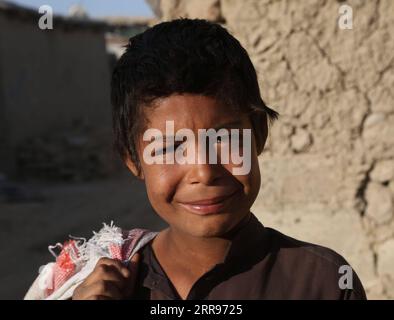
[202, 200]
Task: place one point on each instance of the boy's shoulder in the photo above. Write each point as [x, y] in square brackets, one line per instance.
[315, 264]
[282, 246]
[295, 249]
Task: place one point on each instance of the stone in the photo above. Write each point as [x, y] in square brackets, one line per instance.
[379, 202]
[382, 97]
[391, 186]
[203, 9]
[385, 254]
[383, 171]
[301, 140]
[374, 119]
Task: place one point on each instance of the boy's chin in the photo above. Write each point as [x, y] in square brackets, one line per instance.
[206, 233]
[217, 226]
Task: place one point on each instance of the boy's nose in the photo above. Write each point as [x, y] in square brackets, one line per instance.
[204, 173]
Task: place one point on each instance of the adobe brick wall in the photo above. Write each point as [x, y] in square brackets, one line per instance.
[328, 170]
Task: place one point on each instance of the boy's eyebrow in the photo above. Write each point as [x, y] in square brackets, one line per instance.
[230, 124]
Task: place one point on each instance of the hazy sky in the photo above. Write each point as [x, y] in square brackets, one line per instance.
[94, 8]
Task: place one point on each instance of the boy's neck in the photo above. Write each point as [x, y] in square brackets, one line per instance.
[200, 252]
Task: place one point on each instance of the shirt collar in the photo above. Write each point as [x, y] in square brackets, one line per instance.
[245, 248]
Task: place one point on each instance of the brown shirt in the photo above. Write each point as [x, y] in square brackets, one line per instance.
[261, 263]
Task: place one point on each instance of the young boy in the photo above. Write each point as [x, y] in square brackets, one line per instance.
[189, 76]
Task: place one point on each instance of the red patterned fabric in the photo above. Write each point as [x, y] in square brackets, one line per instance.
[115, 251]
[64, 267]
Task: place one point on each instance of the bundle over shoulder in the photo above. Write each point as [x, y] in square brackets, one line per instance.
[78, 257]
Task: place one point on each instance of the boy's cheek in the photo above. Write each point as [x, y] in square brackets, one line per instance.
[251, 182]
[160, 182]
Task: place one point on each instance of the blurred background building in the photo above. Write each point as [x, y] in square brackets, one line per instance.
[51, 120]
[59, 174]
[327, 172]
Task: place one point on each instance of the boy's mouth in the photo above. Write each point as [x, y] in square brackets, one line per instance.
[208, 205]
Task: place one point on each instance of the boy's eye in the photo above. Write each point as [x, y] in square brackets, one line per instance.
[169, 149]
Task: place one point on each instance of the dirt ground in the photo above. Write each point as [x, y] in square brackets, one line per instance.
[27, 228]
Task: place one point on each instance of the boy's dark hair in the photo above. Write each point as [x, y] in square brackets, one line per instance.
[182, 56]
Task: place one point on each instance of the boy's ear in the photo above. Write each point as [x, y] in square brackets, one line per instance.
[133, 168]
